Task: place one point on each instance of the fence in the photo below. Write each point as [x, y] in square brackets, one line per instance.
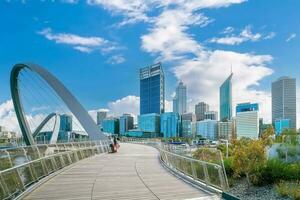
[23, 166]
[210, 174]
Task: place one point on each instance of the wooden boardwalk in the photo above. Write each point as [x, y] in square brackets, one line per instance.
[133, 173]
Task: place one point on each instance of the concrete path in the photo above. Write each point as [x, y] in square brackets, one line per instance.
[133, 173]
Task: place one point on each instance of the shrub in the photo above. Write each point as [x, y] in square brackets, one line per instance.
[228, 164]
[249, 159]
[289, 189]
[277, 170]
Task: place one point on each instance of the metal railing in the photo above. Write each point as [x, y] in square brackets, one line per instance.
[23, 166]
[209, 174]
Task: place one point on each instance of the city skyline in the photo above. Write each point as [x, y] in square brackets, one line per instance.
[68, 57]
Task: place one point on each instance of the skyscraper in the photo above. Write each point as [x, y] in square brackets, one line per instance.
[226, 99]
[200, 110]
[284, 100]
[101, 115]
[179, 101]
[152, 89]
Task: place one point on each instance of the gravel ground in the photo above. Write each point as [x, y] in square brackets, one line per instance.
[242, 191]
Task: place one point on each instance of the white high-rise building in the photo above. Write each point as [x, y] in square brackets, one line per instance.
[247, 124]
[284, 100]
[180, 99]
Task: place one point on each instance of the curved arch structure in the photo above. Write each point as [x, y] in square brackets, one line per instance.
[43, 123]
[71, 102]
[55, 130]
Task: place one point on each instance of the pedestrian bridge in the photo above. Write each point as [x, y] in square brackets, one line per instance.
[135, 172]
[86, 171]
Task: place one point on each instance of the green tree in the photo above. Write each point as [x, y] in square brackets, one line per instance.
[249, 159]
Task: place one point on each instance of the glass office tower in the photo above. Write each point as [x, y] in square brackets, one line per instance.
[226, 99]
[152, 89]
[284, 100]
[180, 100]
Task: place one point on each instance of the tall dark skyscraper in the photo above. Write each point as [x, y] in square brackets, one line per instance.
[226, 99]
[152, 89]
[284, 100]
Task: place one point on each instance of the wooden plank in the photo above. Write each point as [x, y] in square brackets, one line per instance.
[133, 173]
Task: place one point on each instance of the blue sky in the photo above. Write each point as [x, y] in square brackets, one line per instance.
[95, 47]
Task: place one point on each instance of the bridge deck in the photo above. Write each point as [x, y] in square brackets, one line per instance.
[132, 173]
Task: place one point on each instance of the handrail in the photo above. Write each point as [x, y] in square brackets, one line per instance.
[210, 174]
[191, 159]
[17, 178]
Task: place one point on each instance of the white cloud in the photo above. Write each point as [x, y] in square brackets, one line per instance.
[168, 38]
[80, 43]
[83, 49]
[133, 10]
[129, 104]
[9, 120]
[245, 35]
[291, 37]
[227, 30]
[116, 59]
[270, 36]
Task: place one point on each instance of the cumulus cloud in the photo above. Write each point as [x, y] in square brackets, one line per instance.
[9, 120]
[291, 37]
[129, 104]
[80, 43]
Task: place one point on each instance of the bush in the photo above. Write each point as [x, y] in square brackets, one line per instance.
[276, 170]
[228, 164]
[289, 189]
[249, 159]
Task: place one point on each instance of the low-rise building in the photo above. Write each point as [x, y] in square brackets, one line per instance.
[170, 124]
[111, 125]
[247, 121]
[149, 123]
[188, 129]
[126, 123]
[281, 125]
[226, 130]
[207, 129]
